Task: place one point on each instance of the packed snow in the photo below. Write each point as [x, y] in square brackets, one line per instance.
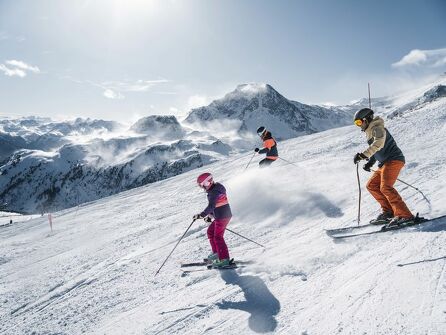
[94, 273]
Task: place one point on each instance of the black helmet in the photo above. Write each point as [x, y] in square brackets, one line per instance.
[365, 113]
[261, 130]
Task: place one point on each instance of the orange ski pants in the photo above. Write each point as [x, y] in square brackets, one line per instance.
[380, 185]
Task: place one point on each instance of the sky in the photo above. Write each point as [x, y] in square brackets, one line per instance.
[126, 59]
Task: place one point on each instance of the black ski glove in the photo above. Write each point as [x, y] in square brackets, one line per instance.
[208, 219]
[256, 149]
[359, 157]
[367, 166]
[197, 216]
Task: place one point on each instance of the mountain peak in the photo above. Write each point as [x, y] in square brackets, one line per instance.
[253, 88]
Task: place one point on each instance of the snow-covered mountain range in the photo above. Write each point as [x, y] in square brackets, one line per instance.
[94, 273]
[252, 105]
[48, 165]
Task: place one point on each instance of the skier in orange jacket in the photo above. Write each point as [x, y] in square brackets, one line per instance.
[269, 147]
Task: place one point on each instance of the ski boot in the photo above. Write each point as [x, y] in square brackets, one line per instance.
[382, 218]
[397, 221]
[223, 264]
[211, 257]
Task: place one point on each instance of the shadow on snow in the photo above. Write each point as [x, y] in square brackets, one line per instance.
[260, 303]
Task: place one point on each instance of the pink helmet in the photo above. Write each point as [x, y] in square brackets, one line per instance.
[205, 180]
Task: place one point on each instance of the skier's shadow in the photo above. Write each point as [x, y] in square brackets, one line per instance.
[436, 225]
[260, 302]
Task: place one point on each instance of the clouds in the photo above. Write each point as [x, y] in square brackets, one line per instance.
[136, 86]
[16, 68]
[422, 58]
[115, 89]
[110, 94]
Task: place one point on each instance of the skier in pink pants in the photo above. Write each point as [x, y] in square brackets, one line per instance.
[218, 208]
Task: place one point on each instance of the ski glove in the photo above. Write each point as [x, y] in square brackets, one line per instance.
[256, 149]
[367, 166]
[358, 157]
[197, 216]
[208, 219]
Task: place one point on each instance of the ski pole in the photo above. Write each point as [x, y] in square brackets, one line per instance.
[242, 156]
[359, 188]
[289, 162]
[175, 246]
[250, 161]
[245, 237]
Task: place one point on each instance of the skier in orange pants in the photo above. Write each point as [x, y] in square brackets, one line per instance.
[382, 148]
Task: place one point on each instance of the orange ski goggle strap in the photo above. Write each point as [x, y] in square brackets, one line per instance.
[359, 122]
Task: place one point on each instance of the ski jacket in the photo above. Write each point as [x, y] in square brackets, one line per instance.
[269, 147]
[382, 145]
[218, 204]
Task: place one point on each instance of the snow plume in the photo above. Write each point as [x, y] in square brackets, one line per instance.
[252, 88]
[227, 131]
[428, 58]
[102, 153]
[196, 101]
[16, 68]
[263, 197]
[159, 127]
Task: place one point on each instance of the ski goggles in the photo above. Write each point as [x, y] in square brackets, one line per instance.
[359, 122]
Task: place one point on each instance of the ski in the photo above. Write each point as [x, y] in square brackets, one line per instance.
[186, 265]
[209, 267]
[417, 221]
[346, 229]
[204, 262]
[382, 230]
[231, 265]
[372, 223]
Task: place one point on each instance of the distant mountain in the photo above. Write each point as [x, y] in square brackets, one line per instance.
[255, 105]
[9, 144]
[33, 181]
[50, 171]
[160, 126]
[44, 134]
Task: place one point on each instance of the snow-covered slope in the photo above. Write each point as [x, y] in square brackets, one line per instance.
[94, 273]
[253, 105]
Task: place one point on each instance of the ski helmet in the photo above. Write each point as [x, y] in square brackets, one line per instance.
[205, 180]
[261, 131]
[363, 114]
